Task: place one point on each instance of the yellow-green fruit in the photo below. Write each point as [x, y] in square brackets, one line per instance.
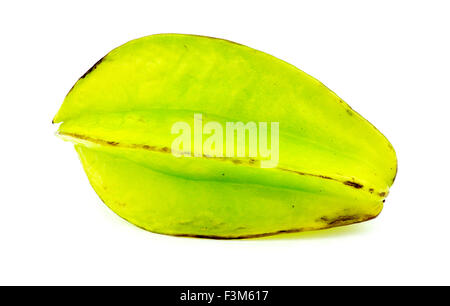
[334, 167]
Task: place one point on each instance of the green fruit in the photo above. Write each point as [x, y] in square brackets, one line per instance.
[334, 167]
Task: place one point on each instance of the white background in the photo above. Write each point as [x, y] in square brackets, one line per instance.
[388, 59]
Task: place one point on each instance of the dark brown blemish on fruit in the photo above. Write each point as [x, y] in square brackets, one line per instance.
[113, 143]
[147, 147]
[70, 92]
[86, 73]
[371, 190]
[92, 68]
[341, 220]
[382, 194]
[353, 184]
[348, 183]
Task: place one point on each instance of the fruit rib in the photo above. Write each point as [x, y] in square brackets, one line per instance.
[214, 208]
[242, 162]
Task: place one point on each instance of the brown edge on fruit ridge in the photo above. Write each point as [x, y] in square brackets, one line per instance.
[93, 67]
[86, 74]
[337, 222]
[330, 223]
[250, 162]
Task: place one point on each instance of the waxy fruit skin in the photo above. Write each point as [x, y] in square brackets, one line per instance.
[334, 167]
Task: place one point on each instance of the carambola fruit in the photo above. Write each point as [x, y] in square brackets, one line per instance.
[334, 168]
